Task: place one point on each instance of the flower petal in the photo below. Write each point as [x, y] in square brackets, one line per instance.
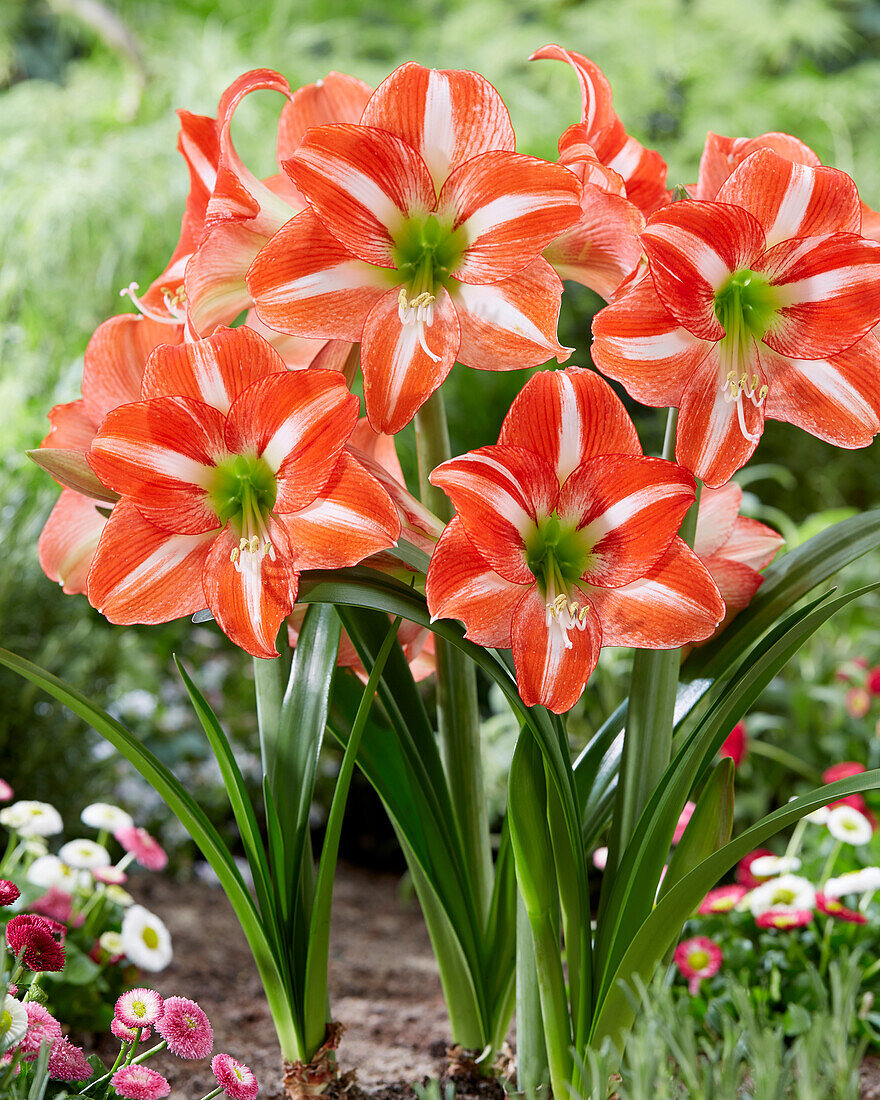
[214, 371]
[716, 517]
[141, 574]
[693, 247]
[507, 208]
[568, 416]
[638, 342]
[306, 283]
[216, 287]
[736, 582]
[299, 422]
[446, 115]
[512, 323]
[547, 672]
[596, 100]
[336, 98]
[71, 427]
[829, 289]
[162, 454]
[752, 543]
[250, 605]
[710, 440]
[363, 184]
[69, 539]
[836, 399]
[461, 585]
[793, 200]
[499, 492]
[627, 509]
[404, 363]
[722, 154]
[115, 359]
[674, 603]
[351, 518]
[298, 352]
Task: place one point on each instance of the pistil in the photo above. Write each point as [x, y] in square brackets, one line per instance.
[175, 303]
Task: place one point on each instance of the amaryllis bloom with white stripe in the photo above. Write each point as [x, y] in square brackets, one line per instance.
[566, 540]
[642, 170]
[234, 477]
[756, 304]
[422, 242]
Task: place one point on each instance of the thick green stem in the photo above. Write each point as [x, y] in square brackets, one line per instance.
[531, 1050]
[647, 745]
[457, 712]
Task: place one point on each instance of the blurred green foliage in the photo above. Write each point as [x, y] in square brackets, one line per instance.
[92, 188]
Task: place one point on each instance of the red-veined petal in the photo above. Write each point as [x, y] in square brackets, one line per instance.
[722, 154]
[298, 422]
[710, 440]
[352, 518]
[115, 358]
[597, 109]
[379, 447]
[716, 517]
[306, 283]
[71, 427]
[693, 247]
[836, 399]
[736, 581]
[512, 323]
[363, 184]
[446, 115]
[627, 509]
[418, 525]
[829, 290]
[499, 492]
[568, 416]
[603, 247]
[69, 539]
[507, 208]
[337, 98]
[462, 585]
[674, 603]
[403, 363]
[298, 352]
[638, 342]
[250, 604]
[752, 543]
[578, 156]
[216, 289]
[162, 454]
[142, 574]
[793, 200]
[547, 672]
[214, 371]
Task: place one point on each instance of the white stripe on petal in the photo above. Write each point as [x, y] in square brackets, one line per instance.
[626, 509]
[793, 206]
[508, 208]
[291, 430]
[490, 304]
[438, 131]
[358, 185]
[570, 434]
[160, 460]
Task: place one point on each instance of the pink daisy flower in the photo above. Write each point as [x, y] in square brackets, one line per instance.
[698, 958]
[68, 1063]
[146, 849]
[9, 892]
[722, 899]
[127, 1034]
[831, 907]
[56, 904]
[139, 1007]
[684, 819]
[784, 920]
[185, 1028]
[139, 1083]
[42, 1027]
[109, 876]
[34, 938]
[872, 681]
[6, 792]
[236, 1080]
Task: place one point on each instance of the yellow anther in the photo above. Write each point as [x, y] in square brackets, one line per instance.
[401, 298]
[234, 555]
[764, 391]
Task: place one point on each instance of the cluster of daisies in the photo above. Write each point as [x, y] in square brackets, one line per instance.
[795, 890]
[80, 888]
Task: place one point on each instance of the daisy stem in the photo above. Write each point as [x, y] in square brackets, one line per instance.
[211, 1095]
[829, 863]
[119, 1058]
[796, 837]
[457, 714]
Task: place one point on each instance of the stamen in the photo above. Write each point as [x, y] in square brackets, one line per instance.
[564, 613]
[176, 315]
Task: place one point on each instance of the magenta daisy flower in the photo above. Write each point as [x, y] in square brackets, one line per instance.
[831, 907]
[698, 958]
[784, 920]
[128, 1034]
[236, 1080]
[42, 1027]
[139, 1007]
[722, 899]
[139, 1083]
[68, 1063]
[9, 892]
[185, 1028]
[34, 938]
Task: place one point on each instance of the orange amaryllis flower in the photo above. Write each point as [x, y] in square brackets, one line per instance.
[234, 477]
[565, 540]
[757, 304]
[112, 373]
[643, 170]
[422, 242]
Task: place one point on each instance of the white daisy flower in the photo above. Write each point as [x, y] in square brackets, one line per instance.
[105, 817]
[13, 1022]
[773, 866]
[119, 896]
[818, 817]
[145, 939]
[865, 881]
[111, 942]
[781, 894]
[35, 847]
[32, 818]
[847, 824]
[48, 871]
[84, 854]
